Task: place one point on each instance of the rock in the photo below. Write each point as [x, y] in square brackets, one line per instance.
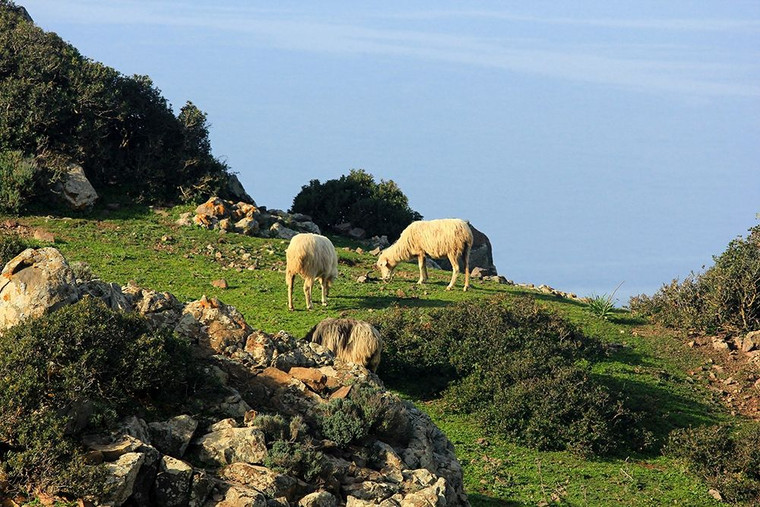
[162, 309]
[215, 207]
[269, 482]
[720, 344]
[232, 445]
[433, 495]
[318, 499]
[213, 325]
[185, 219]
[750, 341]
[280, 231]
[109, 293]
[135, 427]
[309, 227]
[477, 273]
[236, 495]
[481, 254]
[357, 233]
[173, 436]
[220, 284]
[122, 476]
[112, 450]
[201, 486]
[236, 190]
[715, 494]
[248, 226]
[343, 228]
[173, 481]
[33, 283]
[41, 235]
[76, 190]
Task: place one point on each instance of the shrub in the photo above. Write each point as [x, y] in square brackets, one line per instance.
[524, 371]
[726, 296]
[726, 457]
[82, 359]
[378, 208]
[120, 129]
[298, 459]
[16, 180]
[365, 413]
[10, 246]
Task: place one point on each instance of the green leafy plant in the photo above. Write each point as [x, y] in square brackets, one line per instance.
[602, 305]
[17, 174]
[724, 297]
[727, 457]
[10, 246]
[298, 459]
[378, 208]
[82, 367]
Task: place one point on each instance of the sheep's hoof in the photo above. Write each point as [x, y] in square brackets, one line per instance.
[324, 304]
[291, 309]
[448, 287]
[466, 288]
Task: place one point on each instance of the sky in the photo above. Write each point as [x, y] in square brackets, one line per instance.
[594, 142]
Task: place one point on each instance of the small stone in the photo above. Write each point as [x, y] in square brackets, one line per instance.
[220, 284]
[41, 235]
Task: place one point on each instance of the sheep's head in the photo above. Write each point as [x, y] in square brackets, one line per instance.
[386, 268]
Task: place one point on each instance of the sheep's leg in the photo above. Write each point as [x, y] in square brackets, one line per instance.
[423, 269]
[289, 279]
[307, 284]
[454, 270]
[466, 268]
[325, 291]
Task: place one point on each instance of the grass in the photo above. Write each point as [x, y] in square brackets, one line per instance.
[147, 247]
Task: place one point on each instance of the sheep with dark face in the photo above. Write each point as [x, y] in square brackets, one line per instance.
[351, 340]
[313, 257]
[445, 237]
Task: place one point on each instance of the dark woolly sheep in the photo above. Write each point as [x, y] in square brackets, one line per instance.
[351, 340]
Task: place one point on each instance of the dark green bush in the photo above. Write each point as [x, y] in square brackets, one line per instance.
[366, 412]
[378, 208]
[725, 297]
[298, 459]
[84, 359]
[10, 246]
[56, 104]
[726, 457]
[17, 175]
[523, 370]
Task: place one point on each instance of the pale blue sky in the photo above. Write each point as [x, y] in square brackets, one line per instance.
[594, 142]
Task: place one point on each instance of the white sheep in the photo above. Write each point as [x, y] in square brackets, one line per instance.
[313, 257]
[445, 237]
[351, 340]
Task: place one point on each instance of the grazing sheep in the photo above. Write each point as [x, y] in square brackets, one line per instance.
[313, 257]
[446, 237]
[351, 340]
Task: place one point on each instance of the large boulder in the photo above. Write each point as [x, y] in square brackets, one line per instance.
[35, 282]
[481, 255]
[76, 190]
[237, 191]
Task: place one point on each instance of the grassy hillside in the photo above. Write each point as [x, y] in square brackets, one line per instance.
[653, 368]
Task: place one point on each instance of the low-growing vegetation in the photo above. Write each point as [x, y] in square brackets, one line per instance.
[727, 457]
[725, 297]
[81, 368]
[523, 370]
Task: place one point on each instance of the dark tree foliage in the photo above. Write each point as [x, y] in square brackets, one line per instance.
[378, 208]
[55, 102]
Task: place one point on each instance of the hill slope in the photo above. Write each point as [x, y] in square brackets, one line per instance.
[147, 247]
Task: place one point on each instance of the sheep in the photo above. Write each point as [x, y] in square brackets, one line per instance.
[446, 237]
[313, 257]
[351, 340]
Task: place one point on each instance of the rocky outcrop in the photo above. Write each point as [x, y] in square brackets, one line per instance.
[481, 255]
[222, 456]
[33, 283]
[249, 219]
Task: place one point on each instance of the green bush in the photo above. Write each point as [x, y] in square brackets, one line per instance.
[298, 459]
[524, 371]
[366, 412]
[725, 297]
[10, 246]
[16, 180]
[727, 458]
[120, 129]
[378, 208]
[82, 360]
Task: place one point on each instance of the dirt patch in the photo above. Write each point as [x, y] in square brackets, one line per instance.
[732, 374]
